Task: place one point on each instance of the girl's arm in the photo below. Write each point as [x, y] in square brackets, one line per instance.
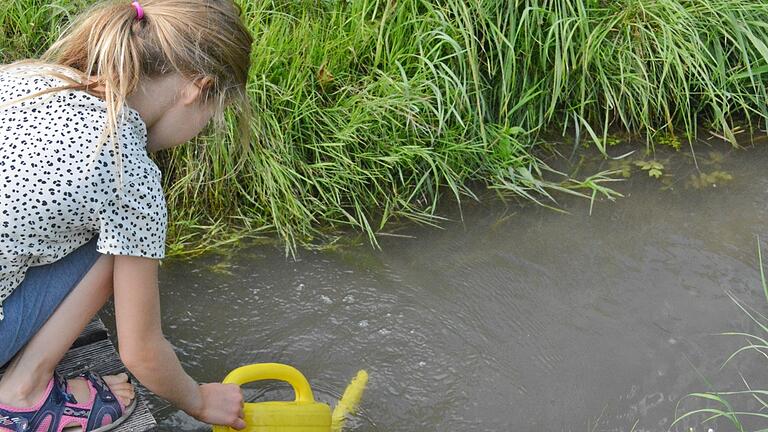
[150, 357]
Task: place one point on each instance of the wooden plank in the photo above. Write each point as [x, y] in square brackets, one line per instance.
[93, 350]
[94, 331]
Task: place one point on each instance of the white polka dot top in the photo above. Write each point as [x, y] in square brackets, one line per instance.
[53, 196]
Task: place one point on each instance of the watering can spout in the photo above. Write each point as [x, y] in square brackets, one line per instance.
[349, 401]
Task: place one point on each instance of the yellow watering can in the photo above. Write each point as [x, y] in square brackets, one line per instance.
[301, 415]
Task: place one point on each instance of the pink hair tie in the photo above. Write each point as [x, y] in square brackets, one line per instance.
[139, 10]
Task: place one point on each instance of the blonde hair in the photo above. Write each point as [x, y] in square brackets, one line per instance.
[106, 46]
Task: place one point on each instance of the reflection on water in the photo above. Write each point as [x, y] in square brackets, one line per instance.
[519, 318]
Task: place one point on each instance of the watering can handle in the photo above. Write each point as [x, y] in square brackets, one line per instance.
[272, 371]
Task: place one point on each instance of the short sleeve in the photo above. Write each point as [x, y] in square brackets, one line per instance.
[134, 221]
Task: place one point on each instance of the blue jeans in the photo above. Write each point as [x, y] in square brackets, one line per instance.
[44, 287]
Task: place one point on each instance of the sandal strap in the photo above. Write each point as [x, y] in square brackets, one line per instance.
[57, 407]
[102, 390]
[60, 385]
[51, 409]
[104, 404]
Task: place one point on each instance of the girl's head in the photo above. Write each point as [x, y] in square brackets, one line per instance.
[197, 44]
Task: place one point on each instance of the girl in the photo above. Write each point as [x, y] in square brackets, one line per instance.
[82, 215]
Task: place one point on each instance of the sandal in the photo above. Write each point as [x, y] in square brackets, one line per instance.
[58, 407]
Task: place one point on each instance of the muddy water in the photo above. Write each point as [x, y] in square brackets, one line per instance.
[516, 319]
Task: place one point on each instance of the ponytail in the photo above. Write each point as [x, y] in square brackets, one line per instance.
[107, 47]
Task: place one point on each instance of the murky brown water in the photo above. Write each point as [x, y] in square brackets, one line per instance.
[517, 319]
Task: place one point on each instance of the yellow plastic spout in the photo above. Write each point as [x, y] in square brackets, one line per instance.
[349, 401]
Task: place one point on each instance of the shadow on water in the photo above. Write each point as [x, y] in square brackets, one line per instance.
[518, 318]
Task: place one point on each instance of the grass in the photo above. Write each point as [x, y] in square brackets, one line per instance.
[725, 404]
[371, 111]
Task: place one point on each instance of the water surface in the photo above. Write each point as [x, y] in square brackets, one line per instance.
[517, 318]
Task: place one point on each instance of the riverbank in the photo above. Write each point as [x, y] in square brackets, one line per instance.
[516, 318]
[368, 111]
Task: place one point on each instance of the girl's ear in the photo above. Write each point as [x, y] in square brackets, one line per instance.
[194, 89]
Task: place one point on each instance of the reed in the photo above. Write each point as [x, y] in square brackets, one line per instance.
[739, 408]
[369, 111]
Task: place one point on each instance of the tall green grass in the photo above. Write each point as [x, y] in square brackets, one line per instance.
[369, 111]
[643, 65]
[737, 407]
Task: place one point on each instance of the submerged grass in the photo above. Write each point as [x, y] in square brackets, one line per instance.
[368, 111]
[723, 404]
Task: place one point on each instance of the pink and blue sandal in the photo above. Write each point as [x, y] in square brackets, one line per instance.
[58, 409]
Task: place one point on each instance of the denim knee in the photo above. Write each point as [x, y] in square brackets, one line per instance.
[34, 301]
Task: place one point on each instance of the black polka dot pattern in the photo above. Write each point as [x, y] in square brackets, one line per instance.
[56, 193]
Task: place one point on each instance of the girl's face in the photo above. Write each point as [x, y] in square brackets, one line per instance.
[183, 119]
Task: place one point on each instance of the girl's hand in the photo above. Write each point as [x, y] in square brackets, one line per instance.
[222, 404]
